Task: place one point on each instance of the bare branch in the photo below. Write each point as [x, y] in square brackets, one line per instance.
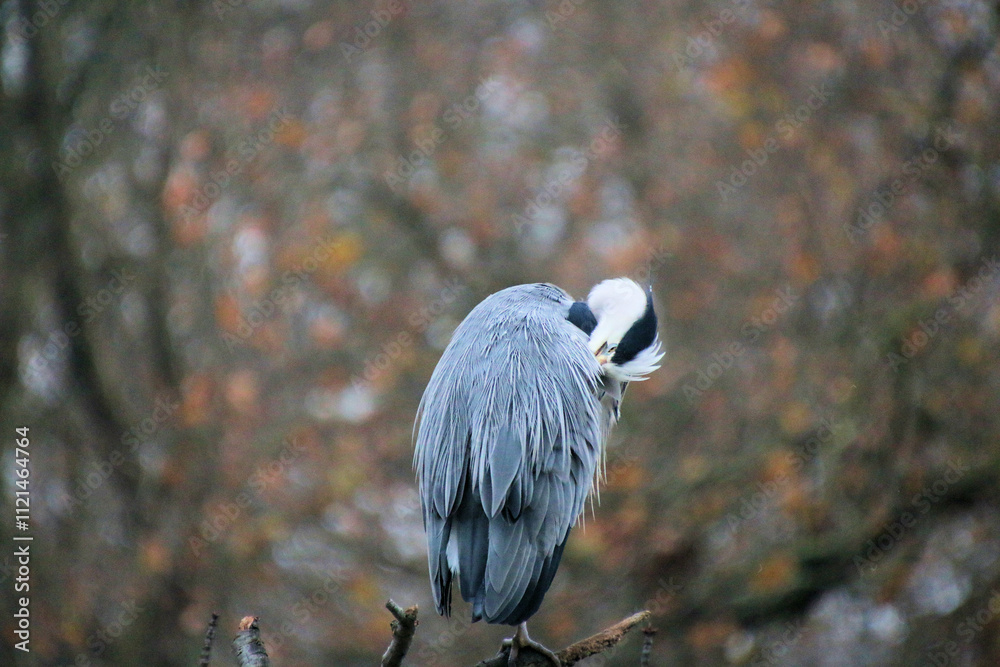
[573, 653]
[206, 651]
[248, 646]
[602, 641]
[250, 649]
[402, 633]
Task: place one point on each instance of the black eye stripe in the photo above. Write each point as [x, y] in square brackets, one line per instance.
[581, 315]
[639, 336]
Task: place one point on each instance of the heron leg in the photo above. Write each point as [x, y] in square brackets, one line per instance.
[522, 640]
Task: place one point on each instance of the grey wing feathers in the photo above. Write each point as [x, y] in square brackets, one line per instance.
[510, 436]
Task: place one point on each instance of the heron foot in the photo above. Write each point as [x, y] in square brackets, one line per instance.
[522, 640]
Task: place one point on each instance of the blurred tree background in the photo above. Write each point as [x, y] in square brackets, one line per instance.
[237, 234]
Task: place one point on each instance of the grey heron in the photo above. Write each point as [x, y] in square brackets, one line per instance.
[510, 437]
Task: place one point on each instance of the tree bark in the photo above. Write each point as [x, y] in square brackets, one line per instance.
[402, 633]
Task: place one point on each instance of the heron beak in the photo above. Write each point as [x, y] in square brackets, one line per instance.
[603, 354]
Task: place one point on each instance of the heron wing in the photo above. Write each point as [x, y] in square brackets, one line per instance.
[510, 436]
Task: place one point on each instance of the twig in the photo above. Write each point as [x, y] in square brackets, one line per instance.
[647, 645]
[402, 633]
[574, 653]
[602, 641]
[206, 651]
[248, 646]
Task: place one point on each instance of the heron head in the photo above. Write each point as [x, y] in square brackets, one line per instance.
[624, 339]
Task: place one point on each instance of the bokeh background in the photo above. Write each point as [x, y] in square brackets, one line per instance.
[236, 236]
